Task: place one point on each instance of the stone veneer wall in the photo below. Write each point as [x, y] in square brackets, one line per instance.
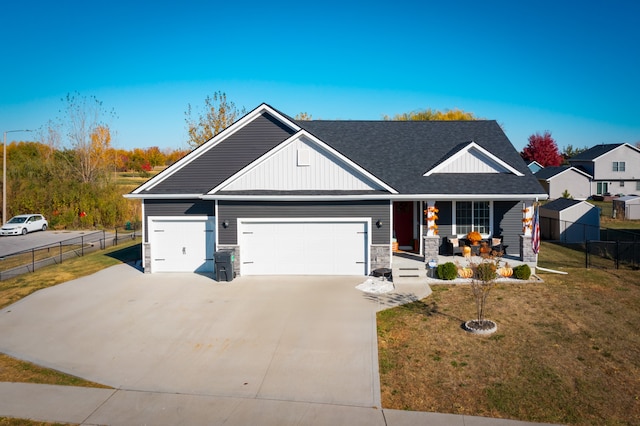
[236, 257]
[146, 262]
[431, 247]
[526, 250]
[380, 256]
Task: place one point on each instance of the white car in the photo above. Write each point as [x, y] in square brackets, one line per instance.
[24, 223]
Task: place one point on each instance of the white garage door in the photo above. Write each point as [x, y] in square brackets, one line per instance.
[303, 248]
[181, 245]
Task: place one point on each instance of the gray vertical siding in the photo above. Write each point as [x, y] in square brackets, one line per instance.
[176, 208]
[232, 210]
[444, 222]
[507, 221]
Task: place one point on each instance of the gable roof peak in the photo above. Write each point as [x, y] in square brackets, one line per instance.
[461, 153]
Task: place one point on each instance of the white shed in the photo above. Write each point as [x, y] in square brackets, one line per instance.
[627, 207]
[569, 221]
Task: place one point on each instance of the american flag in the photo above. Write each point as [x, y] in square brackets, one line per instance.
[535, 231]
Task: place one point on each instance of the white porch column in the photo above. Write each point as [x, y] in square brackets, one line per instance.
[527, 218]
[431, 214]
[431, 239]
[526, 249]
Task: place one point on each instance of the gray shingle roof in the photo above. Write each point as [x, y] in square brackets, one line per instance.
[400, 152]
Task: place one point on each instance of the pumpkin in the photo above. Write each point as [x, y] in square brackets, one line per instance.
[505, 271]
[465, 272]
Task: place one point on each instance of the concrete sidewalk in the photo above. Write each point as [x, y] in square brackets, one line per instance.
[90, 406]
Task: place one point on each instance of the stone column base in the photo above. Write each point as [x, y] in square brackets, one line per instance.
[431, 247]
[526, 250]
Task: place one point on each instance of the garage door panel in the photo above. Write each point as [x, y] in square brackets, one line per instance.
[304, 248]
[182, 245]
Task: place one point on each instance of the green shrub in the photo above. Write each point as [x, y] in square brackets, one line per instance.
[522, 272]
[447, 271]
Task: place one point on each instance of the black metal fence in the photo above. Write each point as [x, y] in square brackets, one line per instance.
[601, 247]
[25, 261]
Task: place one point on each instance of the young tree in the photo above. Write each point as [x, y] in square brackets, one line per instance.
[219, 114]
[87, 135]
[303, 116]
[543, 149]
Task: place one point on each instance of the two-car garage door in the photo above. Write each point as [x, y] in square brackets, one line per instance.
[303, 247]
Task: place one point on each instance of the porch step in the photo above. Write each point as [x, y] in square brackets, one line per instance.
[409, 274]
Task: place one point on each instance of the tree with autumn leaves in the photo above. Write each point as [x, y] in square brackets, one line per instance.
[543, 149]
[69, 173]
[433, 115]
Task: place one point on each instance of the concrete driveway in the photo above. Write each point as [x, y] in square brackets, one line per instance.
[307, 339]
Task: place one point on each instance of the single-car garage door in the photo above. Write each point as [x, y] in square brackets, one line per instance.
[303, 247]
[181, 244]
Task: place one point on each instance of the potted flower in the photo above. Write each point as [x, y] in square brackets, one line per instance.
[474, 237]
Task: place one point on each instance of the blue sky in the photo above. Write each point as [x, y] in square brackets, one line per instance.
[532, 66]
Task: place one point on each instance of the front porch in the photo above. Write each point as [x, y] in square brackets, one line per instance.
[411, 268]
[427, 227]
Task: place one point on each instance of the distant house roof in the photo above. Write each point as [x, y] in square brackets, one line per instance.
[549, 172]
[598, 150]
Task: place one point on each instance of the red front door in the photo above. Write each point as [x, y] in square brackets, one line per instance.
[403, 222]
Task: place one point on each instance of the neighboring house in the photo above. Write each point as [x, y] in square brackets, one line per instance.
[569, 221]
[557, 180]
[534, 166]
[615, 168]
[328, 197]
[627, 207]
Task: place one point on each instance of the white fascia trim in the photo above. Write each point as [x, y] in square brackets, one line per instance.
[185, 218]
[163, 196]
[569, 169]
[217, 139]
[393, 197]
[323, 219]
[578, 204]
[466, 149]
[300, 134]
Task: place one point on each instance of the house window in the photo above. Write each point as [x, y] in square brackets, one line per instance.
[602, 188]
[621, 183]
[618, 166]
[473, 216]
[637, 185]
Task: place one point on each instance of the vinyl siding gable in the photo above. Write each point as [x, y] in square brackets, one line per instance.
[225, 159]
